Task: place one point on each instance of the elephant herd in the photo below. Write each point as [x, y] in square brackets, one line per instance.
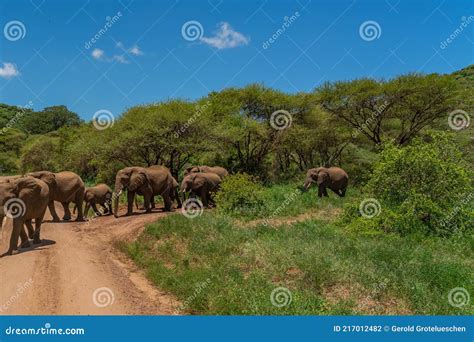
[25, 198]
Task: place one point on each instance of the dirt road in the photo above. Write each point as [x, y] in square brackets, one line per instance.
[78, 271]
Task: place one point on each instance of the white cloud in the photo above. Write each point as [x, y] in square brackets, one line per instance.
[120, 45]
[98, 53]
[135, 50]
[226, 38]
[120, 59]
[8, 70]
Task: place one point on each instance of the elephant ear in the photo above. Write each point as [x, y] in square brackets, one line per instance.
[137, 179]
[322, 177]
[199, 180]
[48, 177]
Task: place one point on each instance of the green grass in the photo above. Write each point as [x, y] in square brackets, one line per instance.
[215, 266]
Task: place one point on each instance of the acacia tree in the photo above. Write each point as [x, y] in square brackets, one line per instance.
[397, 109]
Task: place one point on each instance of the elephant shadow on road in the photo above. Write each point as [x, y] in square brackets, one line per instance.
[33, 247]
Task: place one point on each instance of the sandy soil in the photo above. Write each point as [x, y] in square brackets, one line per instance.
[78, 271]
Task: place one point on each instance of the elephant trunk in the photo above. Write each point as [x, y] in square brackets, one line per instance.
[307, 184]
[115, 198]
[1, 222]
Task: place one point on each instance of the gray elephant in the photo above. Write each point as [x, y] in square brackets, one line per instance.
[204, 184]
[218, 170]
[23, 199]
[147, 182]
[64, 187]
[99, 194]
[333, 178]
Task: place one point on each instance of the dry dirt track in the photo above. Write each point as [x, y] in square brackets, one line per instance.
[60, 278]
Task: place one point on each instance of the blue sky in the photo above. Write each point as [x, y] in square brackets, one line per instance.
[143, 56]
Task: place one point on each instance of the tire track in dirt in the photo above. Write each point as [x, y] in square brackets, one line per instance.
[59, 277]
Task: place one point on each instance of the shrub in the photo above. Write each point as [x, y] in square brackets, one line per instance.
[241, 194]
[423, 187]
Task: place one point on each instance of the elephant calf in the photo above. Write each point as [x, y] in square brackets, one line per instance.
[201, 183]
[23, 199]
[99, 194]
[333, 178]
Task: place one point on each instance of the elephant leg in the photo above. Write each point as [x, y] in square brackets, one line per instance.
[31, 231]
[176, 194]
[320, 192]
[342, 192]
[152, 202]
[38, 222]
[325, 192]
[67, 212]
[204, 197]
[52, 210]
[147, 203]
[25, 242]
[78, 200]
[168, 202]
[17, 228]
[130, 198]
[86, 209]
[96, 211]
[103, 209]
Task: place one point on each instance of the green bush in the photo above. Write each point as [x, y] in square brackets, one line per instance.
[424, 187]
[240, 195]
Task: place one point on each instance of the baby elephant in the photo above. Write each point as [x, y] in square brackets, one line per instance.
[100, 194]
[202, 184]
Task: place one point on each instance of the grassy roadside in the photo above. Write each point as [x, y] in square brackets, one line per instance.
[216, 265]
